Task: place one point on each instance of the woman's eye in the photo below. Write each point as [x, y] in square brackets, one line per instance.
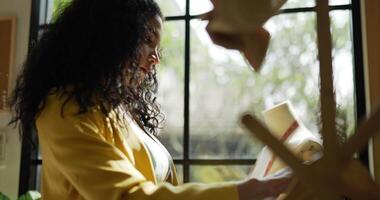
[148, 40]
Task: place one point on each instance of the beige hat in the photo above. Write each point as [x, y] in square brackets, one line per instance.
[283, 123]
[237, 24]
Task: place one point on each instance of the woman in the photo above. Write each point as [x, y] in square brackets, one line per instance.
[88, 89]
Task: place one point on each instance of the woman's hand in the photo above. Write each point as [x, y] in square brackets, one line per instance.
[356, 182]
[260, 189]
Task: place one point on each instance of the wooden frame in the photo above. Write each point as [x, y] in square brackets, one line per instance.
[7, 45]
[371, 42]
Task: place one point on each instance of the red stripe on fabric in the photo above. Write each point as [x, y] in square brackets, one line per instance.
[285, 136]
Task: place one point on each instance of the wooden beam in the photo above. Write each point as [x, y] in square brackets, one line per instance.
[328, 106]
[371, 49]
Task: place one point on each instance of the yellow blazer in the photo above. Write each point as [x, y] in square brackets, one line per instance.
[96, 157]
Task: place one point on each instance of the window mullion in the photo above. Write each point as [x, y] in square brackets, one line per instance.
[359, 90]
[186, 143]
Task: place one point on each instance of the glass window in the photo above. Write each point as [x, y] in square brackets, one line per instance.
[222, 87]
[172, 7]
[299, 3]
[49, 9]
[218, 173]
[200, 6]
[179, 169]
[171, 86]
[38, 178]
[343, 70]
[339, 2]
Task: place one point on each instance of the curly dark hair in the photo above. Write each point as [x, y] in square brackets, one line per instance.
[92, 48]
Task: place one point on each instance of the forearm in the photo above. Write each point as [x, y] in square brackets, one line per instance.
[255, 189]
[189, 191]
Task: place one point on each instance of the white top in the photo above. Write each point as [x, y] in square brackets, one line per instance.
[160, 157]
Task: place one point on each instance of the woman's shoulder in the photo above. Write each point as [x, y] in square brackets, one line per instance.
[61, 118]
[61, 107]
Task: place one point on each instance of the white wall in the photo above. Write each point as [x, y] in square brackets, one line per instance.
[9, 176]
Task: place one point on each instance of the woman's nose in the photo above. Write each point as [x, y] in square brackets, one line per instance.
[155, 57]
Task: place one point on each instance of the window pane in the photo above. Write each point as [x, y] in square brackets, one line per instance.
[299, 3]
[39, 156]
[343, 70]
[339, 2]
[42, 17]
[200, 6]
[40, 33]
[38, 177]
[171, 86]
[222, 87]
[218, 173]
[50, 8]
[291, 69]
[179, 169]
[172, 7]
